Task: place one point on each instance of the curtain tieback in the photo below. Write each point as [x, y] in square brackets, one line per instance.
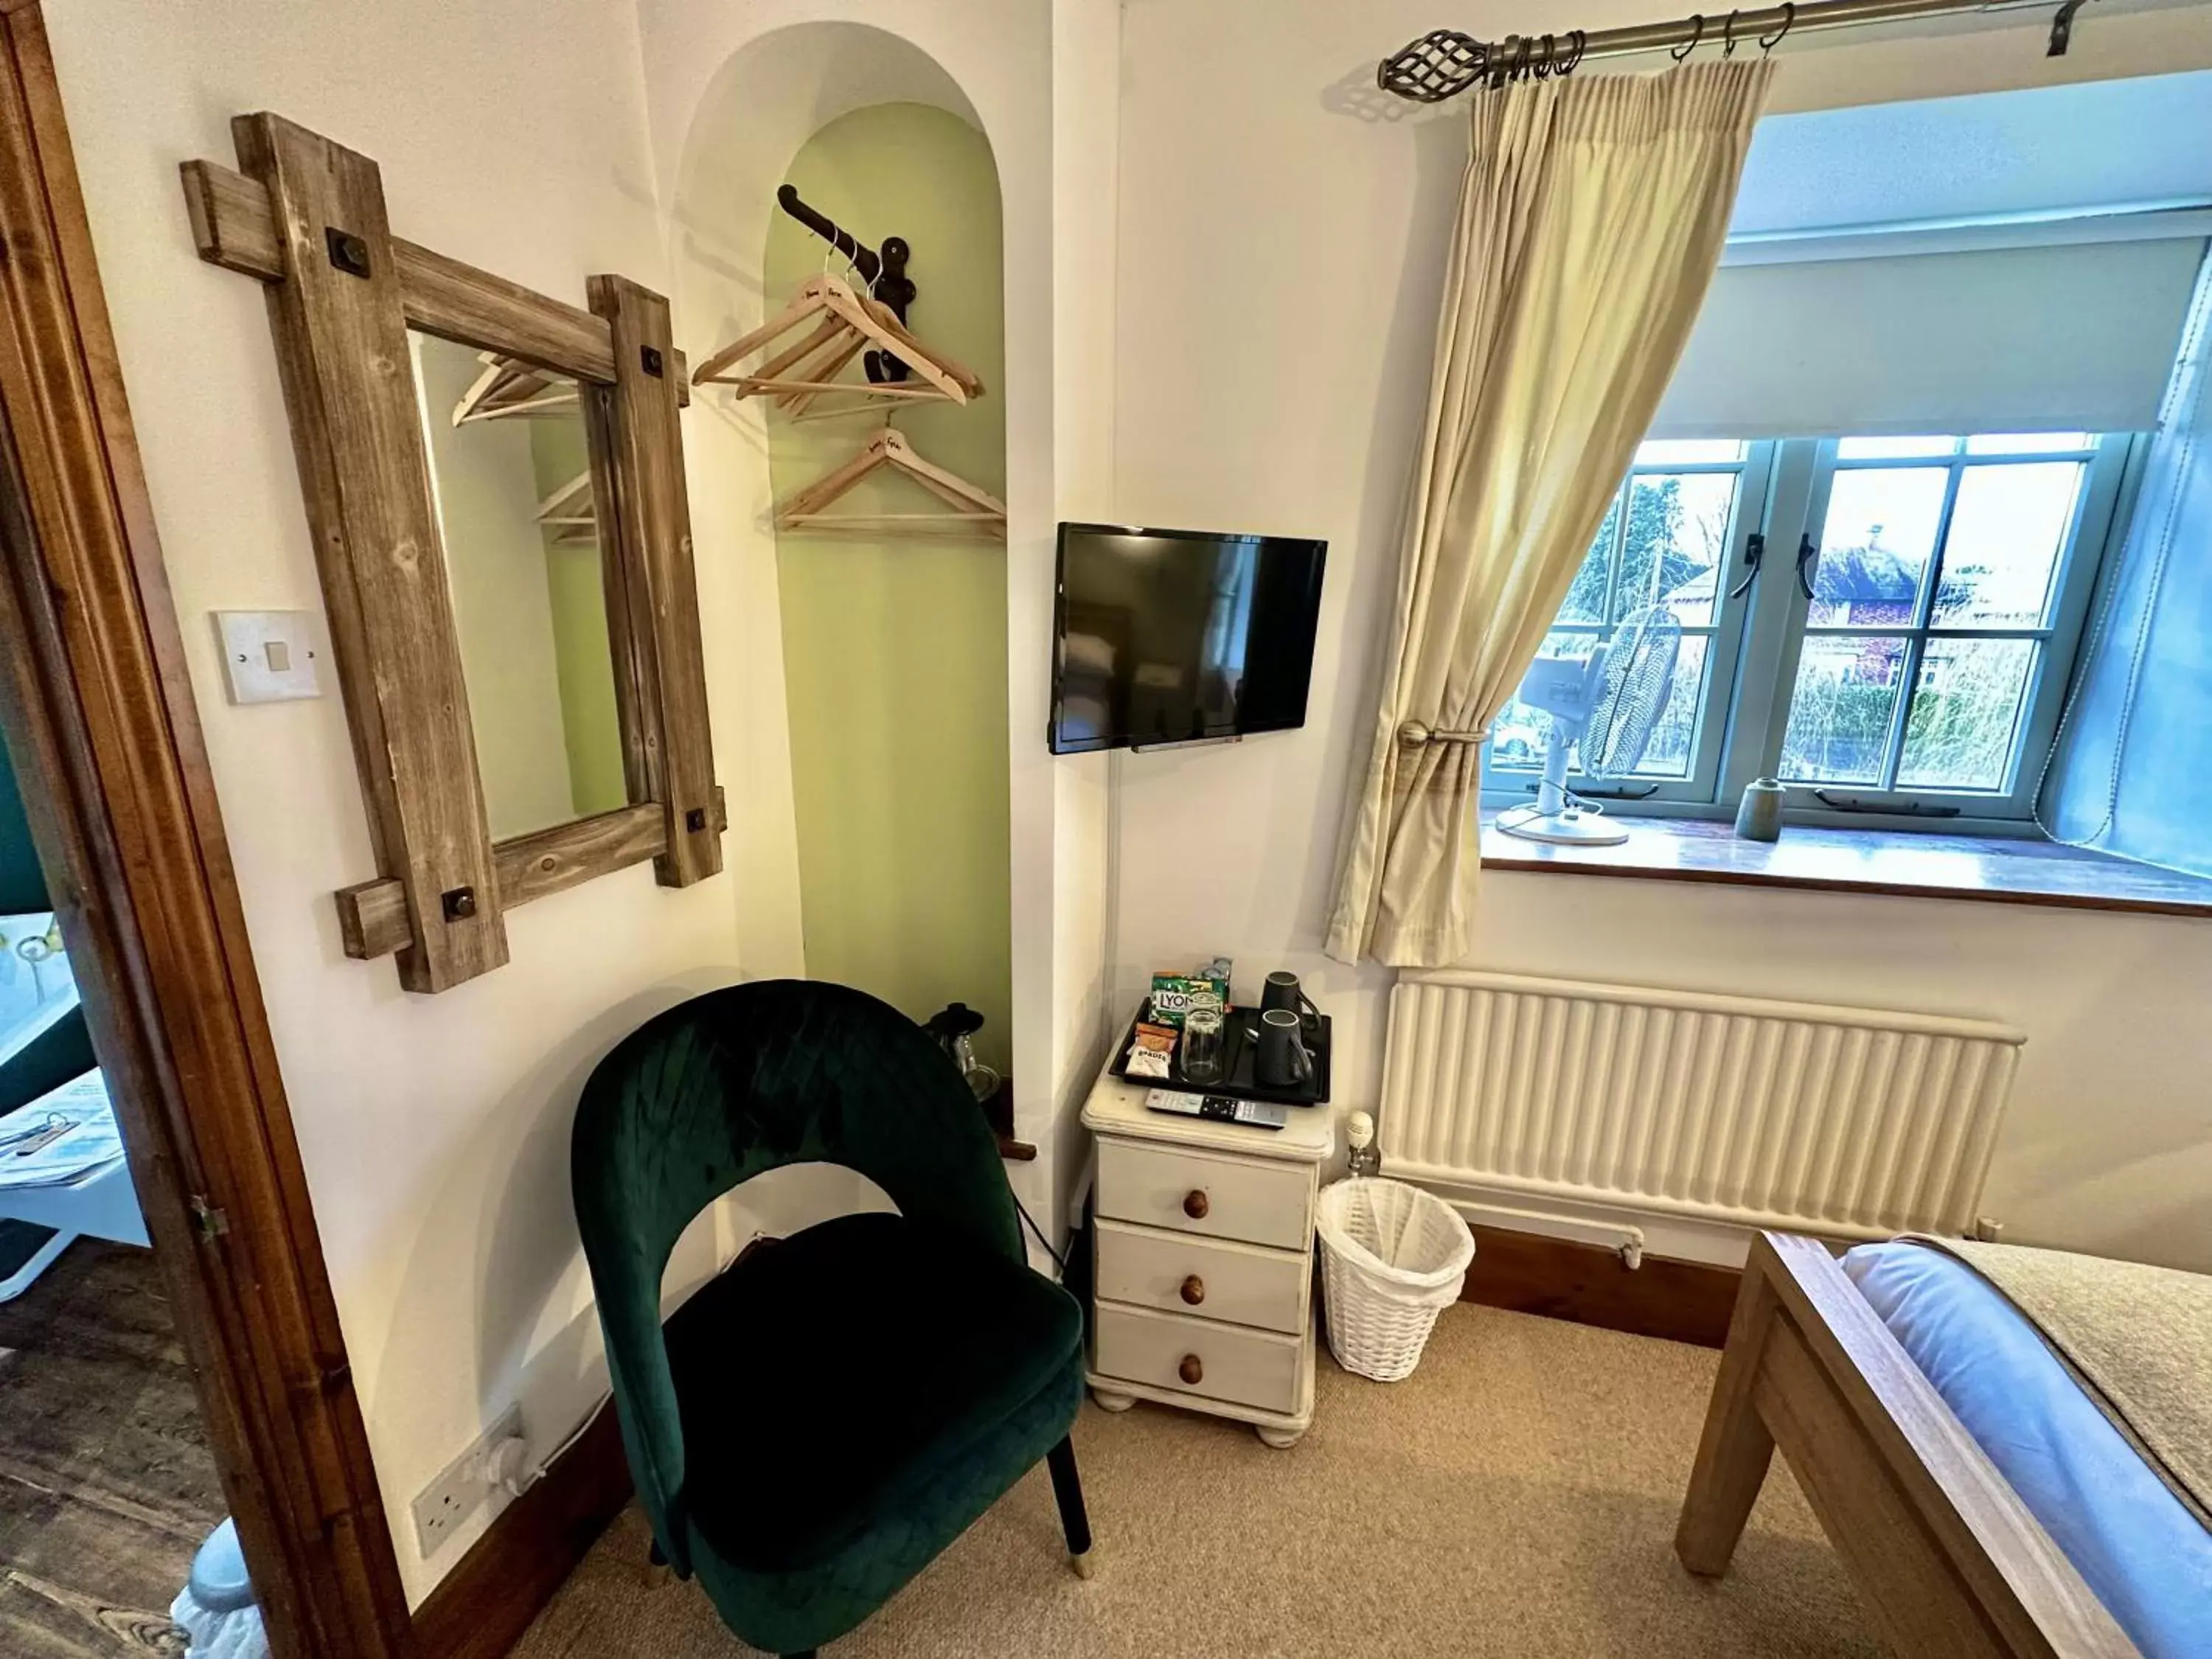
[1416, 734]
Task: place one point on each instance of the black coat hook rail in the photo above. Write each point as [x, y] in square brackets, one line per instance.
[883, 269]
[1444, 63]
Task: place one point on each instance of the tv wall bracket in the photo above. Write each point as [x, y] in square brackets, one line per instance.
[1183, 743]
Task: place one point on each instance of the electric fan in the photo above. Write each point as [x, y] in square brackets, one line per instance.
[1606, 709]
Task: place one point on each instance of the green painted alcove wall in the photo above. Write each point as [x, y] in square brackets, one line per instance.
[895, 651]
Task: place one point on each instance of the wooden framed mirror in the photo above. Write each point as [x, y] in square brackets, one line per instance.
[494, 485]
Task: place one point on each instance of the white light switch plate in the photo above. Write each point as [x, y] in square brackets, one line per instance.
[271, 656]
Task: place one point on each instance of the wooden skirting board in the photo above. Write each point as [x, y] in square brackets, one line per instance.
[1589, 1284]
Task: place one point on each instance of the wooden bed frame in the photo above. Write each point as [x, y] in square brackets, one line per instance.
[1949, 1560]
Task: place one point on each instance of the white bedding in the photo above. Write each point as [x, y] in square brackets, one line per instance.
[2138, 1546]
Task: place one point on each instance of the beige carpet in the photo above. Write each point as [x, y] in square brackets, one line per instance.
[1515, 1497]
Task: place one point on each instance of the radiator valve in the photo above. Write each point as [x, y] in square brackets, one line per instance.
[1365, 1157]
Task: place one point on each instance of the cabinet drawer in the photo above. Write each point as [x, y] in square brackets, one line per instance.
[1257, 1368]
[1241, 1284]
[1219, 1197]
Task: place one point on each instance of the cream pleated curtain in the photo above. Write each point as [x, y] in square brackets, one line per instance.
[1589, 225]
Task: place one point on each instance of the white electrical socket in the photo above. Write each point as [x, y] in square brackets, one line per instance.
[468, 1480]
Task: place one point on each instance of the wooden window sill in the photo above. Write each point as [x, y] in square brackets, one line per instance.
[1903, 864]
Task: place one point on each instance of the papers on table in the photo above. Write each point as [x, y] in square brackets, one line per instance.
[88, 1141]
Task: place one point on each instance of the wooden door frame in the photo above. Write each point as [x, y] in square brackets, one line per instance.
[98, 714]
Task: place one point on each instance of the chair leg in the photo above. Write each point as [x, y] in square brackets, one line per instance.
[1067, 1488]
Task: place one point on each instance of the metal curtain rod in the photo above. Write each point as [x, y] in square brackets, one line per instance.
[1445, 62]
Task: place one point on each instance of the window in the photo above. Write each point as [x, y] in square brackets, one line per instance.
[1665, 542]
[1904, 647]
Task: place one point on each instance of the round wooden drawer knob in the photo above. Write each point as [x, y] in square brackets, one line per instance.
[1195, 1205]
[1192, 1371]
[1194, 1290]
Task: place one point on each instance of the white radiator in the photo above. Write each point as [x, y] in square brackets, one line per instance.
[1838, 1121]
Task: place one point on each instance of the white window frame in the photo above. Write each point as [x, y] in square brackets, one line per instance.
[1759, 635]
[1508, 782]
[1804, 477]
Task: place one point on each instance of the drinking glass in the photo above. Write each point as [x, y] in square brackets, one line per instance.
[1202, 1045]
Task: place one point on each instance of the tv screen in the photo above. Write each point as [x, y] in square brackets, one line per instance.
[1177, 635]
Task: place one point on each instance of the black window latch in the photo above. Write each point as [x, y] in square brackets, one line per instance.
[1754, 549]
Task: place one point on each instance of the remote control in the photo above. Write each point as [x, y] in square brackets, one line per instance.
[1220, 1108]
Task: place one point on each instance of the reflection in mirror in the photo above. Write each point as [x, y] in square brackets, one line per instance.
[510, 474]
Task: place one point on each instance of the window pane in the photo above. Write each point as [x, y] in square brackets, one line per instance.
[1875, 545]
[1585, 600]
[1674, 739]
[1688, 451]
[1965, 712]
[1893, 449]
[1676, 544]
[2028, 443]
[1840, 711]
[1520, 735]
[2006, 529]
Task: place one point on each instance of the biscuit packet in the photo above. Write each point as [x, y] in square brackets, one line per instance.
[1151, 1051]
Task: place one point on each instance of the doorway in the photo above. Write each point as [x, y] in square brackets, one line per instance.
[108, 1486]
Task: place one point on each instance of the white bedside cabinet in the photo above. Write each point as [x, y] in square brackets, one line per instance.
[1204, 1253]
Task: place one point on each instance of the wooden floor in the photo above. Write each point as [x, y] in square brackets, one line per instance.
[106, 1485]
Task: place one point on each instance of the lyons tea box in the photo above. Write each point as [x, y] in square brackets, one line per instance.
[1174, 995]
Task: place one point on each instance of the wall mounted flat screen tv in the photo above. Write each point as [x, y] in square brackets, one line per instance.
[1179, 636]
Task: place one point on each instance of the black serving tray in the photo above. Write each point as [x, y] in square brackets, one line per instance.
[1239, 1049]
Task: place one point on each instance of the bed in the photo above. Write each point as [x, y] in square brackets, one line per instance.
[1981, 1499]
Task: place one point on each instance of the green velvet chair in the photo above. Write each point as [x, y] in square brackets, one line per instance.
[814, 1425]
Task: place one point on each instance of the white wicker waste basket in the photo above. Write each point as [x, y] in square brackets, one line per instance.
[1393, 1258]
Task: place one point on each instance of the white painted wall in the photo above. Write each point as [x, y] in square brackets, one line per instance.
[1086, 82]
[1282, 235]
[435, 1130]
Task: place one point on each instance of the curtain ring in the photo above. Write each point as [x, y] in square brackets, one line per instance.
[1504, 68]
[1542, 67]
[1582, 40]
[1696, 33]
[1768, 42]
[1727, 37]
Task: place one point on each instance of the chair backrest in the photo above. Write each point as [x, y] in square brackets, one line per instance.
[717, 1091]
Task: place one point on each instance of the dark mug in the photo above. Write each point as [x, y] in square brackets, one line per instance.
[1282, 1061]
[1282, 991]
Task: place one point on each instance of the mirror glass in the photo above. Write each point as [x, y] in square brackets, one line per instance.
[510, 471]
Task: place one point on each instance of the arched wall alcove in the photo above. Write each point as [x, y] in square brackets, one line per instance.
[734, 95]
[895, 638]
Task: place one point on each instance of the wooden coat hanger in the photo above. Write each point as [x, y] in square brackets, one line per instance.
[571, 512]
[973, 511]
[845, 322]
[508, 387]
